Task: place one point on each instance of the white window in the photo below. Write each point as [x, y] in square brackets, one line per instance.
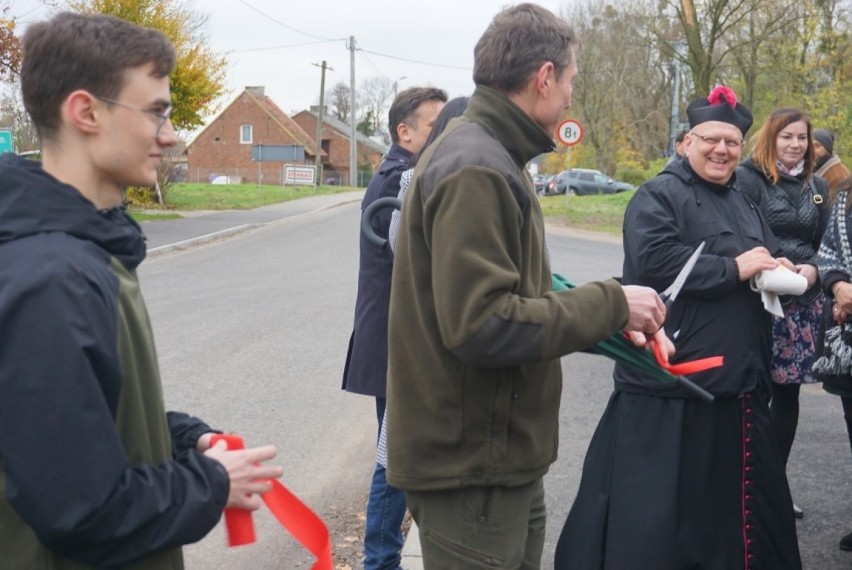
[245, 134]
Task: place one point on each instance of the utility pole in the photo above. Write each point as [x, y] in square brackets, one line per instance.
[674, 123]
[320, 119]
[353, 167]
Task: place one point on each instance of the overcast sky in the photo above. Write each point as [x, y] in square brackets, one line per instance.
[276, 43]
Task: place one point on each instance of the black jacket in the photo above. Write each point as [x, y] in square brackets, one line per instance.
[716, 313]
[365, 371]
[795, 210]
[92, 471]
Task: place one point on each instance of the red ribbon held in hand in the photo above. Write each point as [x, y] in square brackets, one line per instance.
[293, 514]
[685, 368]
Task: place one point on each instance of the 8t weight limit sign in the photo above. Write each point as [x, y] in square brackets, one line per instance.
[569, 132]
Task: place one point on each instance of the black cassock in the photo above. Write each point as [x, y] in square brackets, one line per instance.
[670, 482]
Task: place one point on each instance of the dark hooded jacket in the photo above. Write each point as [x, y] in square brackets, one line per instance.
[366, 366]
[716, 313]
[93, 472]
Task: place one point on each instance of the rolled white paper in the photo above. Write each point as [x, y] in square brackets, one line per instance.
[774, 282]
[779, 280]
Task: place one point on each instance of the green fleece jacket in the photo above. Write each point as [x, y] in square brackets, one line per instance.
[474, 378]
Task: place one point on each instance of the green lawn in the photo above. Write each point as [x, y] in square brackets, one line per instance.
[598, 213]
[148, 216]
[190, 196]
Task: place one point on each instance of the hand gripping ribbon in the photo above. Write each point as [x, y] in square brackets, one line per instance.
[293, 514]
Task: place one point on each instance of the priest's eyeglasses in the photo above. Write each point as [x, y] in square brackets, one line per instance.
[160, 116]
[714, 141]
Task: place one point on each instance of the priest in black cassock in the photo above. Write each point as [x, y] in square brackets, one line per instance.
[671, 482]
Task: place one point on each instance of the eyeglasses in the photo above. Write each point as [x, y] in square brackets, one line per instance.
[161, 116]
[714, 141]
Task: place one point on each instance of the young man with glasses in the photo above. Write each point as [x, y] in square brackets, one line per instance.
[94, 472]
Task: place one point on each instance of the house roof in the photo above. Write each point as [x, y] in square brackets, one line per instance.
[289, 126]
[345, 129]
[279, 117]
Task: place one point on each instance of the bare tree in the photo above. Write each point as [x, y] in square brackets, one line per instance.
[375, 96]
[718, 33]
[338, 98]
[621, 90]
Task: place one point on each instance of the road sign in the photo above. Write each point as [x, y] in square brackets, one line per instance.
[569, 132]
[6, 141]
[294, 174]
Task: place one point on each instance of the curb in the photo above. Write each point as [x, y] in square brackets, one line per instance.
[412, 559]
[187, 243]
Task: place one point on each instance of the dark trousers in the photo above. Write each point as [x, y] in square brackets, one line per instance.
[481, 527]
[784, 411]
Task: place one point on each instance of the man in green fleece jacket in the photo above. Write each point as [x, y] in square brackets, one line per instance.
[476, 332]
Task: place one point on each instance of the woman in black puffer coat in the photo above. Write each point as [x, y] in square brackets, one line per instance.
[779, 179]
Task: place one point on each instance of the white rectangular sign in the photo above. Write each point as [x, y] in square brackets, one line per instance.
[300, 175]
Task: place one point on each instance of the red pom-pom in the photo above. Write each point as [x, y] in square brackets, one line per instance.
[722, 94]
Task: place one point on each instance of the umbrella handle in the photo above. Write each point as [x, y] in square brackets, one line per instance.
[370, 211]
[697, 390]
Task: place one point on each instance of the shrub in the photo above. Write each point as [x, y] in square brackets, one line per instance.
[631, 175]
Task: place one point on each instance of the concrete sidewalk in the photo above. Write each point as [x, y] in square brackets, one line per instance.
[412, 559]
[165, 236]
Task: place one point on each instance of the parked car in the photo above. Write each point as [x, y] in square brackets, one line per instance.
[540, 182]
[584, 181]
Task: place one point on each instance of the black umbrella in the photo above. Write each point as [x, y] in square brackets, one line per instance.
[618, 348]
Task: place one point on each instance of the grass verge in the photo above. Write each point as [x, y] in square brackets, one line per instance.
[189, 196]
[603, 213]
[148, 216]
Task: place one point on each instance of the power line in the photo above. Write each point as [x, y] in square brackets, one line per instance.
[324, 39]
[285, 46]
[280, 23]
[415, 60]
[370, 63]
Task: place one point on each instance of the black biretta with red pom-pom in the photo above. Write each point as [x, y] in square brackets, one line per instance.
[721, 105]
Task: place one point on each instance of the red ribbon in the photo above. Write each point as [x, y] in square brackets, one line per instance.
[293, 514]
[689, 367]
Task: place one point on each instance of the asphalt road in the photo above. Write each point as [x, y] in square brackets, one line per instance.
[252, 333]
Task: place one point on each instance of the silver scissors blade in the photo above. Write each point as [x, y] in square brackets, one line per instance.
[671, 292]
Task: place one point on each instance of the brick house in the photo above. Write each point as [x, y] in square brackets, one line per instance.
[335, 146]
[224, 147]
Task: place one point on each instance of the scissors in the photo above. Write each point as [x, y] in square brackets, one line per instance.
[668, 297]
[671, 292]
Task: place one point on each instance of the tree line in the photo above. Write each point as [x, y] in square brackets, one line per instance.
[773, 53]
[631, 54]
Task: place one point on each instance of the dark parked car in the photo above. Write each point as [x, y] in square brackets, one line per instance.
[540, 182]
[583, 181]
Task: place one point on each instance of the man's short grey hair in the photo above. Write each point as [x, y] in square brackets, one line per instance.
[517, 42]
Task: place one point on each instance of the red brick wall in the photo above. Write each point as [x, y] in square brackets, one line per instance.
[337, 162]
[217, 150]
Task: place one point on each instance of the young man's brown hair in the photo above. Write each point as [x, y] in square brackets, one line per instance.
[90, 52]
